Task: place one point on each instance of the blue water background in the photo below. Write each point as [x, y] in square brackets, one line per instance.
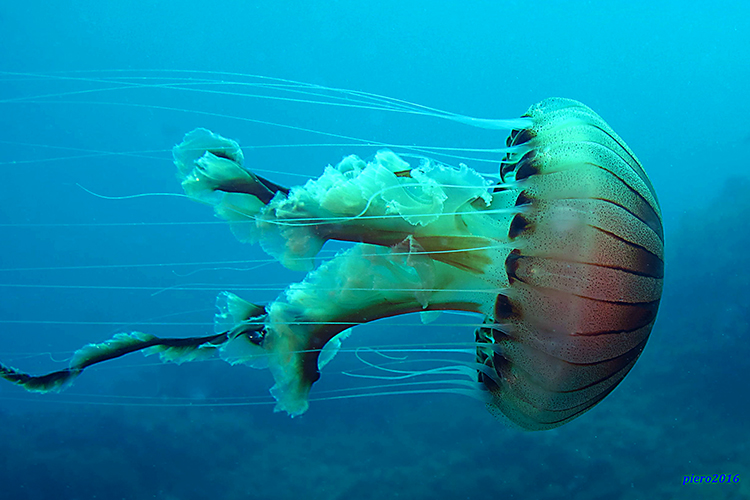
[670, 77]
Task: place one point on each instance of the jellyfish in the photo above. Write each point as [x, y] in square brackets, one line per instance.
[560, 255]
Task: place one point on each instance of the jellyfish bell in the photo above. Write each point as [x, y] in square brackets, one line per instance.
[561, 255]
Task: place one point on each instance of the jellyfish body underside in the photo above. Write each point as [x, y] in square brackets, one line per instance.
[563, 258]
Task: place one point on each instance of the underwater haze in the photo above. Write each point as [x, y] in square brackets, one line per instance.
[97, 239]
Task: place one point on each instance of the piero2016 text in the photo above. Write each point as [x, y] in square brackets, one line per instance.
[711, 479]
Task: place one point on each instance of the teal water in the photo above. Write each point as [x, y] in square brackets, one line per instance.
[87, 98]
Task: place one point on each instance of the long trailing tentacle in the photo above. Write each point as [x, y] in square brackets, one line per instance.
[175, 350]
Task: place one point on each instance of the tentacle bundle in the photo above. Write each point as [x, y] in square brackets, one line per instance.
[563, 258]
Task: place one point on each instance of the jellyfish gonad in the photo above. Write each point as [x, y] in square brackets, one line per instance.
[562, 258]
